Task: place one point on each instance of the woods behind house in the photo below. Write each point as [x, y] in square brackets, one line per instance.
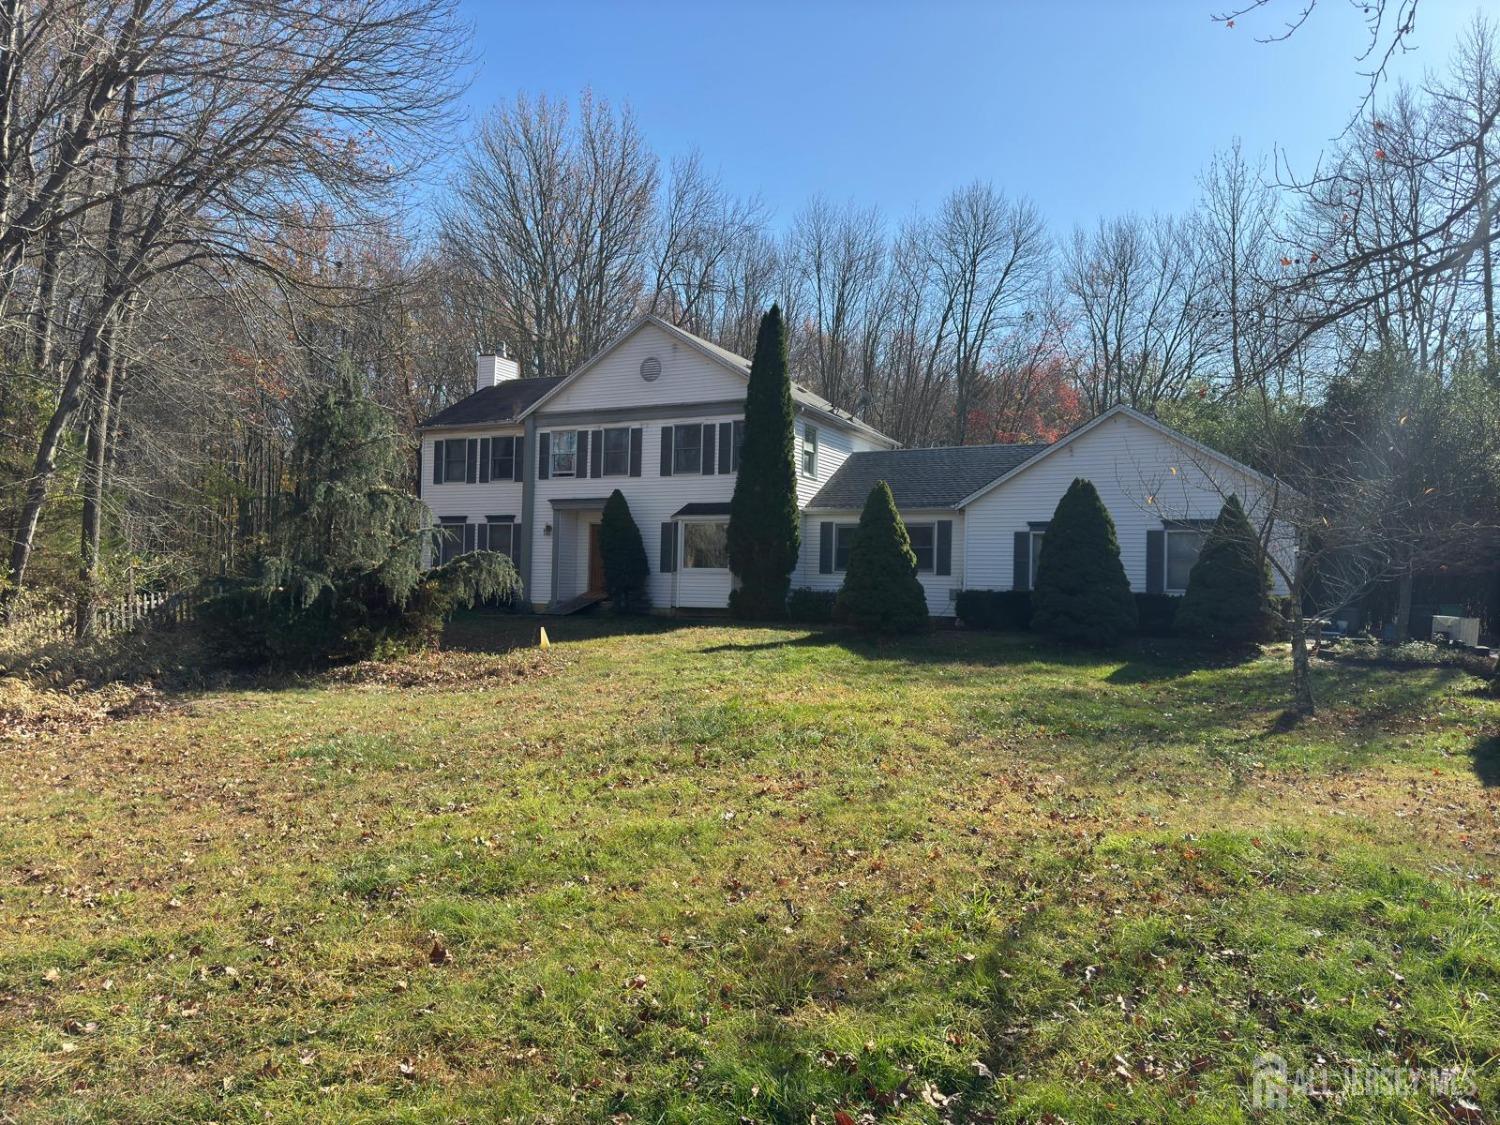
[207, 205]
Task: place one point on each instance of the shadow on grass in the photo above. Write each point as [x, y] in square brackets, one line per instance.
[1486, 760]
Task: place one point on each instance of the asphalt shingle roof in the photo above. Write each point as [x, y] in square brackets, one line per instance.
[500, 403]
[921, 478]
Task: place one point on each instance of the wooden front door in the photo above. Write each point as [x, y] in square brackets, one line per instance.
[596, 562]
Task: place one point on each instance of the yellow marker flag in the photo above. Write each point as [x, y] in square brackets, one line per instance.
[545, 642]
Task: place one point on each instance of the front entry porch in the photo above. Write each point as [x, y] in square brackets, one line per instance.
[577, 564]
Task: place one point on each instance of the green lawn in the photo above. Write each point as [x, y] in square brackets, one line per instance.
[699, 873]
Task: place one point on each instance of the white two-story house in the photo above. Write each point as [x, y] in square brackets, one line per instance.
[524, 466]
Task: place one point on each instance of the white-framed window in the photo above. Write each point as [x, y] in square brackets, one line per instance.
[502, 537]
[737, 442]
[809, 451]
[564, 453]
[923, 544]
[502, 458]
[687, 449]
[450, 542]
[843, 543]
[1183, 545]
[455, 461]
[616, 458]
[705, 545]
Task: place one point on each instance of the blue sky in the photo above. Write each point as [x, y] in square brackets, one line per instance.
[1088, 108]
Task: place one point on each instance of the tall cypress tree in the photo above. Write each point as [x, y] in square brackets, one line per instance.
[1081, 591]
[881, 593]
[1228, 588]
[764, 524]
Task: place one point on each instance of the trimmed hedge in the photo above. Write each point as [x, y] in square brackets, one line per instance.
[994, 609]
[811, 607]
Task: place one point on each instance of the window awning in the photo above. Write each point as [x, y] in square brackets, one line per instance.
[702, 509]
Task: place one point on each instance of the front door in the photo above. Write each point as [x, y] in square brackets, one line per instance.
[596, 562]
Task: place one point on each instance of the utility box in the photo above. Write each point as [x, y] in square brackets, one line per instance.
[1460, 630]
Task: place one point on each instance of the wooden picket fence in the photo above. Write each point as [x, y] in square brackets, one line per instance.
[152, 608]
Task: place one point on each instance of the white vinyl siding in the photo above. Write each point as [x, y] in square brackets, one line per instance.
[687, 375]
[1145, 478]
[473, 501]
[939, 588]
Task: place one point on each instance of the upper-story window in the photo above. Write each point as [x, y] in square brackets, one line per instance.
[564, 453]
[810, 451]
[687, 449]
[455, 455]
[616, 459]
[503, 458]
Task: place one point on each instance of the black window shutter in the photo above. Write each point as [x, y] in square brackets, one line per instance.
[437, 462]
[543, 456]
[825, 547]
[596, 454]
[726, 447]
[668, 547]
[1156, 562]
[468, 537]
[516, 544]
[484, 460]
[944, 547]
[635, 451]
[666, 451]
[1021, 577]
[581, 458]
[518, 465]
[471, 461]
[709, 430]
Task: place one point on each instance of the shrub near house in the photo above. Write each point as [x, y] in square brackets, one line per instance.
[1228, 590]
[1082, 593]
[881, 593]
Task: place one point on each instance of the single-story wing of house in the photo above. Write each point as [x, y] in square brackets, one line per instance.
[524, 466]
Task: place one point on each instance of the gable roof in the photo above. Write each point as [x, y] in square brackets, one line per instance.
[723, 357]
[506, 401]
[1144, 419]
[956, 476]
[921, 478]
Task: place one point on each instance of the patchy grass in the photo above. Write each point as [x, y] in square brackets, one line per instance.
[710, 874]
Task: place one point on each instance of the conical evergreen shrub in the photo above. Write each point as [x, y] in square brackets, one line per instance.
[881, 593]
[1228, 594]
[1081, 593]
[765, 529]
[624, 556]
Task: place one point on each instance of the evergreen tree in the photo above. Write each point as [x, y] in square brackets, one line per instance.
[1229, 586]
[1081, 593]
[625, 566]
[764, 523]
[344, 576]
[881, 593]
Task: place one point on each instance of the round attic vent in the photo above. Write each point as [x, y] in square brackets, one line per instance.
[650, 368]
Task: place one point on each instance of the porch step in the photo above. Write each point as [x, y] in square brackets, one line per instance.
[573, 605]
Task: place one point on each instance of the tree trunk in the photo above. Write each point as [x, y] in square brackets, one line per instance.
[1403, 607]
[95, 459]
[1303, 702]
